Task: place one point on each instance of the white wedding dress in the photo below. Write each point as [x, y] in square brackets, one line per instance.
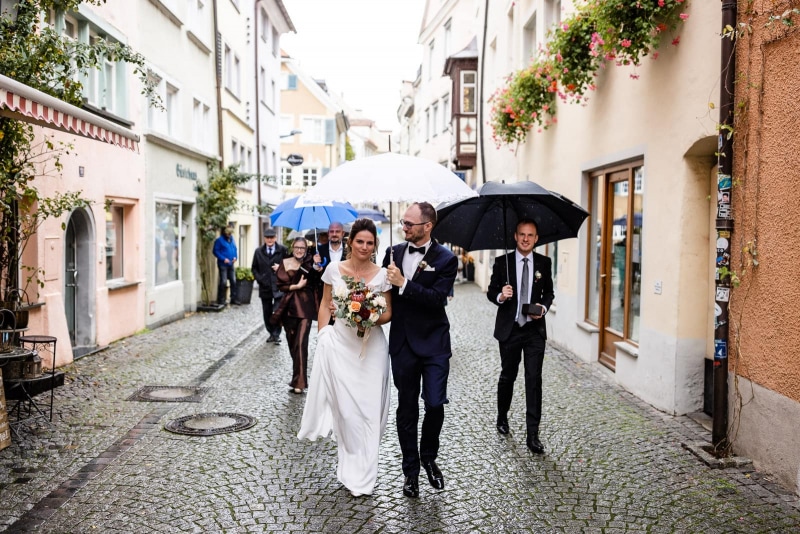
[348, 393]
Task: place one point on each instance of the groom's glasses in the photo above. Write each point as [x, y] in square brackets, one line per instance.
[408, 224]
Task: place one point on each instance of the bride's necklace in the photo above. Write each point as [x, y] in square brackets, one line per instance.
[357, 272]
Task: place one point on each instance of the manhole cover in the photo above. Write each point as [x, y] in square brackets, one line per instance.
[169, 394]
[210, 424]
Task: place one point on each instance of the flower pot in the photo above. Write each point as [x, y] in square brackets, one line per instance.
[244, 290]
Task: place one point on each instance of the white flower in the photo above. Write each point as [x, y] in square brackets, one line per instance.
[340, 292]
[380, 301]
[373, 318]
[538, 275]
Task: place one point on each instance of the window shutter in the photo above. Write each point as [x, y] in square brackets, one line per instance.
[292, 82]
[330, 131]
[325, 170]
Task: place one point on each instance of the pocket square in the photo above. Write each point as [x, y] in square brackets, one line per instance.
[429, 268]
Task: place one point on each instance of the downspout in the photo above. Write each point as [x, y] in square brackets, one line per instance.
[218, 53]
[482, 61]
[724, 226]
[258, 122]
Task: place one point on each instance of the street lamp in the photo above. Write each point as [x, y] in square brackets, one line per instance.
[293, 132]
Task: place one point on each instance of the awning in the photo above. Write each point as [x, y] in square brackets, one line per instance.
[20, 102]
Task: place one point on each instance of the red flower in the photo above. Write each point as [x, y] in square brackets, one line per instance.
[676, 40]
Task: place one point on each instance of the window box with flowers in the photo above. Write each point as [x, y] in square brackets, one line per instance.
[599, 32]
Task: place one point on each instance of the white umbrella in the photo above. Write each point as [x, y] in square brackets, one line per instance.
[390, 177]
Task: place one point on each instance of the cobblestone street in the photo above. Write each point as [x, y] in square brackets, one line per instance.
[613, 464]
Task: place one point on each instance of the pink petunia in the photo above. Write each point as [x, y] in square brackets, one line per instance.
[626, 43]
[684, 16]
[660, 3]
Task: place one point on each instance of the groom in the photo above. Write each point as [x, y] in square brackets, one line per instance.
[422, 273]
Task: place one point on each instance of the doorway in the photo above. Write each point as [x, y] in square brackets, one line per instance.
[614, 297]
[78, 282]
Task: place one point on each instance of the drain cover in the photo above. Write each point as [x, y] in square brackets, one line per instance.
[169, 394]
[210, 424]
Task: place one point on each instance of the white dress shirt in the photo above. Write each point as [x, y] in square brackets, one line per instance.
[518, 257]
[336, 255]
[411, 262]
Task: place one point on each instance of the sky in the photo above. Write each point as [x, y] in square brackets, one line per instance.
[363, 49]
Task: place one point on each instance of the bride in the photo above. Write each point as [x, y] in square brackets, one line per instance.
[348, 393]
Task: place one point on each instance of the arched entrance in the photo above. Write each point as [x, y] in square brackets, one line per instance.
[79, 258]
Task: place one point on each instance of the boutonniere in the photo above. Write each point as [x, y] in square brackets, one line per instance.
[422, 266]
[537, 275]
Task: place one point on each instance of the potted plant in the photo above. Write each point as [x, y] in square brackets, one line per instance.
[244, 284]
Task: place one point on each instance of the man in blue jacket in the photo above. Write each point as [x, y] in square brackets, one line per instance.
[226, 254]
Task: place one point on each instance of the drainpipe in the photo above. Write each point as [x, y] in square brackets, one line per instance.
[218, 79]
[724, 228]
[258, 122]
[482, 61]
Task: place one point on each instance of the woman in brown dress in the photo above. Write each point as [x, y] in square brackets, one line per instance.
[297, 279]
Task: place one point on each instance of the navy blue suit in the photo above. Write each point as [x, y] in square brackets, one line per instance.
[419, 346]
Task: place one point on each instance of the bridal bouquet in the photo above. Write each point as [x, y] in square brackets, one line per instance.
[358, 304]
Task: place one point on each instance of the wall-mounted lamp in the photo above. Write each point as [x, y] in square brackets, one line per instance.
[293, 132]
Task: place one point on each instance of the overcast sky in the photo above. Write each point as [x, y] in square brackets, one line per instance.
[363, 49]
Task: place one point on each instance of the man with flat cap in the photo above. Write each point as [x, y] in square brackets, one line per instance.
[265, 262]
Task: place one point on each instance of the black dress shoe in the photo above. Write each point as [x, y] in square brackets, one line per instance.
[411, 487]
[502, 426]
[535, 445]
[435, 477]
[271, 339]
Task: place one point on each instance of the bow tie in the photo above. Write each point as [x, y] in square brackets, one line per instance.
[412, 250]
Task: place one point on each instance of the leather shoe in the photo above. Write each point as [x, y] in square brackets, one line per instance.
[535, 445]
[502, 426]
[271, 339]
[435, 477]
[411, 487]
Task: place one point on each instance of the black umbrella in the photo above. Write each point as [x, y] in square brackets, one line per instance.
[489, 220]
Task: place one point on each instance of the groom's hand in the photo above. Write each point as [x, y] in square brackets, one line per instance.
[394, 275]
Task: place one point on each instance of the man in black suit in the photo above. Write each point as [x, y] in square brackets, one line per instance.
[334, 249]
[265, 262]
[521, 280]
[422, 273]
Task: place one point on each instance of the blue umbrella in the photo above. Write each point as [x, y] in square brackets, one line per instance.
[297, 215]
[375, 215]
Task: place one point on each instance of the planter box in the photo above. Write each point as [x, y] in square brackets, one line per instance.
[244, 290]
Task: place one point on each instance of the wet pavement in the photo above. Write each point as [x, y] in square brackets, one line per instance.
[613, 464]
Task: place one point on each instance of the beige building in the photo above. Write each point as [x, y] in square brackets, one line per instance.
[322, 123]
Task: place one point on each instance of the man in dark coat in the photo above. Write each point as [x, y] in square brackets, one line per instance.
[422, 273]
[265, 262]
[521, 282]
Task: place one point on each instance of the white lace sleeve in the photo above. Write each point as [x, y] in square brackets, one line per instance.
[328, 275]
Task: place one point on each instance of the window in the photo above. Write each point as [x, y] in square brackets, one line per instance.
[264, 25]
[167, 242]
[431, 58]
[448, 37]
[529, 39]
[198, 18]
[200, 124]
[272, 93]
[427, 124]
[232, 71]
[310, 177]
[276, 42]
[552, 253]
[313, 129]
[435, 119]
[290, 82]
[552, 10]
[446, 112]
[235, 152]
[172, 109]
[287, 125]
[286, 176]
[115, 239]
[262, 84]
[468, 88]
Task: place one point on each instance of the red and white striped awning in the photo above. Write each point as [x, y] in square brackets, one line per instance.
[24, 103]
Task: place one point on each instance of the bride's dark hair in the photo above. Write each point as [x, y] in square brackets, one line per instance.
[359, 225]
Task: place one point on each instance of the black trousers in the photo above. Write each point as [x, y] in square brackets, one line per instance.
[226, 275]
[414, 373]
[525, 342]
[268, 304]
